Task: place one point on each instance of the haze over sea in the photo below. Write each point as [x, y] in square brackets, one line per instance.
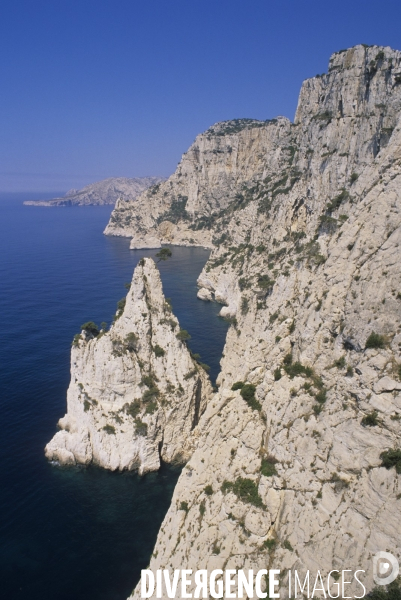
[76, 534]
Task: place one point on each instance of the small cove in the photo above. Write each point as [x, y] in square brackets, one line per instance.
[75, 533]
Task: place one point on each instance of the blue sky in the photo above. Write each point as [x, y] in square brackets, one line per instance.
[94, 89]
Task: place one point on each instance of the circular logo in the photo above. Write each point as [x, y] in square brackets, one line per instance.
[385, 568]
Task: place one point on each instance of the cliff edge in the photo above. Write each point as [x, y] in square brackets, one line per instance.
[298, 458]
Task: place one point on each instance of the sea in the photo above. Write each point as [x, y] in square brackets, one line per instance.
[74, 533]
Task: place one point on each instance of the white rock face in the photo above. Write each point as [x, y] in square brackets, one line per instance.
[309, 264]
[204, 294]
[136, 395]
[107, 191]
[218, 169]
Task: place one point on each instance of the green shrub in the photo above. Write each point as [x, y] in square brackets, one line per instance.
[270, 544]
[109, 429]
[215, 548]
[247, 491]
[131, 342]
[238, 385]
[177, 211]
[392, 458]
[375, 340]
[335, 202]
[325, 116]
[340, 362]
[75, 341]
[121, 304]
[231, 320]
[354, 177]
[141, 428]
[120, 308]
[226, 486]
[184, 506]
[151, 394]
[321, 396]
[183, 335]
[190, 374]
[158, 350]
[370, 420]
[296, 369]
[248, 394]
[243, 283]
[268, 466]
[388, 592]
[350, 371]
[265, 283]
[164, 254]
[244, 306]
[133, 409]
[288, 546]
[312, 253]
[208, 490]
[205, 367]
[90, 327]
[151, 407]
[87, 405]
[317, 381]
[119, 348]
[148, 380]
[202, 508]
[277, 374]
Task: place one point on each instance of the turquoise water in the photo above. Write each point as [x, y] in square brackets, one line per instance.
[81, 534]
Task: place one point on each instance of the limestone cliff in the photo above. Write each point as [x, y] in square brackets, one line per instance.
[136, 394]
[298, 460]
[216, 173]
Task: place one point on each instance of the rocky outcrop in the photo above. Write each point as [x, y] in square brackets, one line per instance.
[107, 191]
[214, 176]
[136, 394]
[293, 465]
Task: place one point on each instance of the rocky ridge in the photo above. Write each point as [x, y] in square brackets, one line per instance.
[297, 462]
[136, 393]
[106, 191]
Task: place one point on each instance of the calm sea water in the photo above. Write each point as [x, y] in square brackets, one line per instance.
[76, 534]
